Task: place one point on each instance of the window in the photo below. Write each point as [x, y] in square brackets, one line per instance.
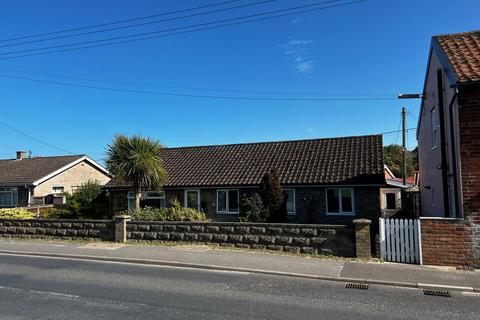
[435, 123]
[227, 201]
[192, 199]
[8, 197]
[58, 189]
[340, 201]
[290, 198]
[154, 199]
[391, 201]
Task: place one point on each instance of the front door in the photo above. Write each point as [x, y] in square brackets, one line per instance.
[192, 199]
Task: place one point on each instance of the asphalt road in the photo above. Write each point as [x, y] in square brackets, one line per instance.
[48, 288]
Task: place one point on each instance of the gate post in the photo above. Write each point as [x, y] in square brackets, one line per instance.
[362, 238]
[121, 228]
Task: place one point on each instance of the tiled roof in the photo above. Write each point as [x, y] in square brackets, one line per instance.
[28, 170]
[349, 160]
[463, 53]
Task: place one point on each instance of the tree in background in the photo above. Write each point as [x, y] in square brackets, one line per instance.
[393, 155]
[136, 160]
[273, 197]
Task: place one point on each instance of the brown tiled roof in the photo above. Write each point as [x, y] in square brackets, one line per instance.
[349, 160]
[28, 170]
[463, 53]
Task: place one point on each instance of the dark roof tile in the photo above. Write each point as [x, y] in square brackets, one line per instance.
[347, 160]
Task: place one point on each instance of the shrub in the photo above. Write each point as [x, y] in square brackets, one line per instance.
[174, 213]
[252, 209]
[273, 197]
[87, 202]
[16, 213]
[56, 213]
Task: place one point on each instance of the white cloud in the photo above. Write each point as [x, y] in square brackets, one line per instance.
[296, 20]
[299, 54]
[311, 130]
[305, 66]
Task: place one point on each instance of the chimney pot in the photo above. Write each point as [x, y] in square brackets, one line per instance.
[21, 155]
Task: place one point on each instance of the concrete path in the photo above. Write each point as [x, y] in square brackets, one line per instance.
[260, 262]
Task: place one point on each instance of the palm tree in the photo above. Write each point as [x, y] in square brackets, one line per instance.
[136, 160]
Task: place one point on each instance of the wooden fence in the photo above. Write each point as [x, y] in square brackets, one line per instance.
[400, 240]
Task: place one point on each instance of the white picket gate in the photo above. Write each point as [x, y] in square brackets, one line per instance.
[400, 240]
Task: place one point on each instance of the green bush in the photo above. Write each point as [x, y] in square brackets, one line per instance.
[252, 209]
[16, 213]
[56, 213]
[87, 202]
[174, 213]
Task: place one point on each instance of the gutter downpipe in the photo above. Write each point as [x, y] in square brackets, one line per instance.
[443, 166]
[454, 156]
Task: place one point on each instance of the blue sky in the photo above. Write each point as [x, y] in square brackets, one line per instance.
[372, 48]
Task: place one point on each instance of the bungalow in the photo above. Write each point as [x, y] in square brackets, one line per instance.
[325, 180]
[42, 180]
[448, 144]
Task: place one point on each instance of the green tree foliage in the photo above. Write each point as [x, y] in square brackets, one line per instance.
[393, 159]
[136, 160]
[252, 209]
[273, 197]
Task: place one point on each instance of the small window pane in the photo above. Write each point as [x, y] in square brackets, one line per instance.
[131, 204]
[58, 189]
[346, 200]
[332, 200]
[233, 200]
[289, 194]
[391, 201]
[192, 199]
[221, 201]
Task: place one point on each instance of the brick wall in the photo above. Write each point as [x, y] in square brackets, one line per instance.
[447, 242]
[57, 229]
[469, 120]
[313, 239]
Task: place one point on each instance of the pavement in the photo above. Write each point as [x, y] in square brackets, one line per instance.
[204, 257]
[43, 287]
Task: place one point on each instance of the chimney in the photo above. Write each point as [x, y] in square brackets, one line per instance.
[20, 155]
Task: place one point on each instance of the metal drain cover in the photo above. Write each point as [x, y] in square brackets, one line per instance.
[361, 286]
[436, 293]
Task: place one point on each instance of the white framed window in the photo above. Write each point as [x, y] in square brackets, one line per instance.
[58, 189]
[155, 199]
[192, 199]
[340, 201]
[435, 124]
[290, 197]
[8, 196]
[228, 201]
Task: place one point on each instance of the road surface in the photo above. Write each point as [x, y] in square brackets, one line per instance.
[51, 288]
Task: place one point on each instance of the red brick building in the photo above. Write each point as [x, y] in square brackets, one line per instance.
[449, 151]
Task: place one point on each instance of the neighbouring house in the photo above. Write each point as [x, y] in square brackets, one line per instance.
[393, 194]
[44, 180]
[449, 151]
[332, 180]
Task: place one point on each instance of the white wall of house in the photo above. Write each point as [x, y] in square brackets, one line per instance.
[429, 144]
[70, 179]
[387, 210]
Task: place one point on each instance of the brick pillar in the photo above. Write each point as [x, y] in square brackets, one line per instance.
[121, 228]
[362, 238]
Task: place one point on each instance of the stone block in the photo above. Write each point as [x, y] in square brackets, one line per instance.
[249, 238]
[219, 238]
[177, 236]
[283, 240]
[266, 239]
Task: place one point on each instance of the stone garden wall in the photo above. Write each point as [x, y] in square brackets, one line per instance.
[57, 229]
[299, 238]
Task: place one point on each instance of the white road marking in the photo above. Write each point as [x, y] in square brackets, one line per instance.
[60, 294]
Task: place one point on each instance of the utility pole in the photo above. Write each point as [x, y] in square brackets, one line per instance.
[404, 144]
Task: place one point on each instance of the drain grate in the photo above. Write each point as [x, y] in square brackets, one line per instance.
[361, 286]
[437, 293]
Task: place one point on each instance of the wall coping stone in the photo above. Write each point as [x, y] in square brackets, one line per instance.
[246, 224]
[56, 220]
[442, 219]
